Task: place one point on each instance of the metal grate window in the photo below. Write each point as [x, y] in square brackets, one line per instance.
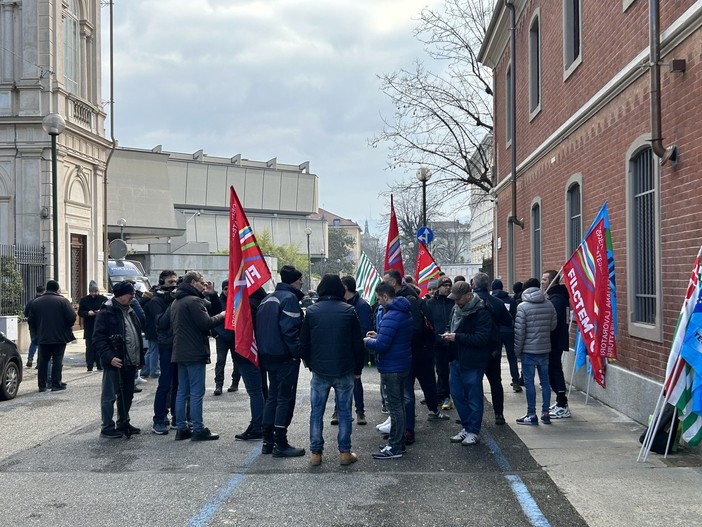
[536, 240]
[575, 218]
[644, 235]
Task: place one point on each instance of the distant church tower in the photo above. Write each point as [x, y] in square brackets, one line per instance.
[50, 63]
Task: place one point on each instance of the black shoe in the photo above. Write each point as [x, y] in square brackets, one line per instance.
[234, 387]
[409, 437]
[29, 364]
[218, 389]
[183, 434]
[111, 434]
[42, 389]
[64, 384]
[129, 430]
[267, 448]
[335, 418]
[499, 419]
[58, 388]
[248, 435]
[285, 450]
[204, 435]
[99, 368]
[90, 369]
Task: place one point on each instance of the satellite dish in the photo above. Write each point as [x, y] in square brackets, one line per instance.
[118, 249]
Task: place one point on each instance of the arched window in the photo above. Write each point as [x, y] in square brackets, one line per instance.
[71, 47]
[574, 217]
[536, 239]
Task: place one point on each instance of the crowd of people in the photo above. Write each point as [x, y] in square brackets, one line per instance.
[448, 341]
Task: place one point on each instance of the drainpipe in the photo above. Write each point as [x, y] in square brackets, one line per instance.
[670, 153]
[513, 103]
[105, 234]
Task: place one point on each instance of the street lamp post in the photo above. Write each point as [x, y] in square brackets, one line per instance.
[308, 232]
[424, 175]
[53, 124]
[122, 224]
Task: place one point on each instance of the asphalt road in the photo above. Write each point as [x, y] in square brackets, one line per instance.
[56, 470]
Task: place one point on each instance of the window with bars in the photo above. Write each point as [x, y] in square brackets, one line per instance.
[644, 221]
[575, 218]
[71, 47]
[536, 240]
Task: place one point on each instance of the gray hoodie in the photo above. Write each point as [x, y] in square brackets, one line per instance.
[536, 318]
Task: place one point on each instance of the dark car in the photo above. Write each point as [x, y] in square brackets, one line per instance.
[11, 368]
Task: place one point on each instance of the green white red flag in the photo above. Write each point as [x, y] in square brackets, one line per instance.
[367, 279]
[426, 269]
[248, 271]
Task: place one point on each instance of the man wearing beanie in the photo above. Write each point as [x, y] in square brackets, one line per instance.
[278, 323]
[332, 348]
[88, 308]
[117, 341]
[53, 317]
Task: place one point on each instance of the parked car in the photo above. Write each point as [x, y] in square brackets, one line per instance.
[11, 368]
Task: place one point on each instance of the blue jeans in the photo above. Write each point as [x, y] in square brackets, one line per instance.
[32, 349]
[319, 394]
[191, 383]
[530, 363]
[151, 360]
[393, 385]
[467, 394]
[164, 385]
[254, 387]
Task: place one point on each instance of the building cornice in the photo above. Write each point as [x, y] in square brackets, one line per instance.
[497, 35]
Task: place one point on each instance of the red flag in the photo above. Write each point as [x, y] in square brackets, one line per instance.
[426, 268]
[393, 253]
[587, 280]
[247, 272]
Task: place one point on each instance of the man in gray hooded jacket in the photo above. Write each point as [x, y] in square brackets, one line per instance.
[536, 318]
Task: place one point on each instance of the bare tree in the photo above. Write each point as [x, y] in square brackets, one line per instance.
[441, 117]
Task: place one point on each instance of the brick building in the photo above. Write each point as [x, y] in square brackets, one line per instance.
[584, 124]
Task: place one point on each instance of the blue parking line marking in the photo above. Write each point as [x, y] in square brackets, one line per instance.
[526, 500]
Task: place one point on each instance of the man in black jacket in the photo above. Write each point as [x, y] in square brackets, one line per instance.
[558, 295]
[88, 308]
[117, 341]
[332, 347]
[53, 317]
[440, 308]
[191, 324]
[32, 330]
[507, 333]
[493, 371]
[224, 343]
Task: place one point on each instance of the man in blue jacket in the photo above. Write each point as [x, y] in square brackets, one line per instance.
[278, 323]
[393, 346]
[332, 347]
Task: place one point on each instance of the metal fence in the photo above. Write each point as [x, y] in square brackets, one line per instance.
[22, 269]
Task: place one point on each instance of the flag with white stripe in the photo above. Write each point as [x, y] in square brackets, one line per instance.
[367, 279]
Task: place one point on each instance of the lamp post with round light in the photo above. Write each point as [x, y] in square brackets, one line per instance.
[424, 175]
[53, 124]
[308, 232]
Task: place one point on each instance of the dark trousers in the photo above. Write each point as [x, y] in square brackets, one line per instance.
[224, 349]
[493, 372]
[91, 359]
[282, 392]
[443, 389]
[423, 371]
[393, 385]
[163, 399]
[50, 352]
[254, 388]
[556, 378]
[508, 341]
[117, 385]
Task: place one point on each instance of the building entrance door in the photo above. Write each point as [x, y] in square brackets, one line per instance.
[78, 267]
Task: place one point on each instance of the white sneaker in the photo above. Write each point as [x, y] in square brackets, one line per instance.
[140, 380]
[559, 412]
[470, 439]
[383, 424]
[460, 436]
[385, 429]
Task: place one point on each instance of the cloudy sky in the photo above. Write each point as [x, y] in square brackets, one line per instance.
[292, 79]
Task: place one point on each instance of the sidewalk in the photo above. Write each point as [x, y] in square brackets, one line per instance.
[591, 457]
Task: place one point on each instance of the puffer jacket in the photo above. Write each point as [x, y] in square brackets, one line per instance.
[558, 295]
[278, 322]
[476, 337]
[393, 344]
[191, 325]
[536, 318]
[330, 339]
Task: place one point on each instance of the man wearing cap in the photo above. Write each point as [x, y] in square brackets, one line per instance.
[440, 308]
[117, 341]
[224, 343]
[88, 308]
[473, 334]
[53, 317]
[278, 323]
